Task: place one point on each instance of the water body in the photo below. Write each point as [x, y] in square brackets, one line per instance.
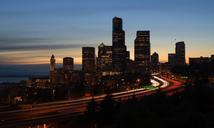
[16, 73]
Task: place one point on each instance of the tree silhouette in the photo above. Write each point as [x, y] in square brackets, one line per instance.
[91, 109]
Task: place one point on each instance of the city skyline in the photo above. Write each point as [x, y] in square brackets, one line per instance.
[32, 31]
[115, 63]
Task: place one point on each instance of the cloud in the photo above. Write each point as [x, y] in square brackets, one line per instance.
[29, 44]
[12, 40]
[26, 40]
[41, 47]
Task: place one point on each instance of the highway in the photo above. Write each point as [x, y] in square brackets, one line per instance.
[62, 109]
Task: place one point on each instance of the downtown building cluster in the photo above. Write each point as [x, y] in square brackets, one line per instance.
[112, 61]
[177, 58]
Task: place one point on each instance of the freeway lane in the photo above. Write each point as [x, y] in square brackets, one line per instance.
[165, 83]
[50, 107]
[57, 109]
[175, 84]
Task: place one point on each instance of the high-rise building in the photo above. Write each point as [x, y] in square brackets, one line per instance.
[180, 53]
[127, 55]
[52, 69]
[118, 45]
[56, 74]
[88, 59]
[52, 63]
[104, 60]
[68, 64]
[142, 54]
[155, 65]
[154, 59]
[171, 59]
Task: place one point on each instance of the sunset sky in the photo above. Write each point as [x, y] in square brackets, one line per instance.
[31, 30]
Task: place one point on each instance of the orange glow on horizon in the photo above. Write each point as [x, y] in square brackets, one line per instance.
[43, 56]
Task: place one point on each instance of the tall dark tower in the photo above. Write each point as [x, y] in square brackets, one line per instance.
[68, 64]
[155, 59]
[52, 63]
[88, 59]
[52, 69]
[180, 53]
[155, 62]
[88, 65]
[119, 53]
[142, 55]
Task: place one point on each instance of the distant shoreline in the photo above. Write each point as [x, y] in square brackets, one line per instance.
[16, 73]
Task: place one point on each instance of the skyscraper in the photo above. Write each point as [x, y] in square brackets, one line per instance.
[142, 54]
[68, 64]
[52, 63]
[104, 60]
[88, 59]
[155, 62]
[172, 59]
[154, 59]
[180, 53]
[52, 75]
[119, 53]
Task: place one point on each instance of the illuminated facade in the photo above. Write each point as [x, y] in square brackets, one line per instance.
[142, 54]
[104, 60]
[112, 60]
